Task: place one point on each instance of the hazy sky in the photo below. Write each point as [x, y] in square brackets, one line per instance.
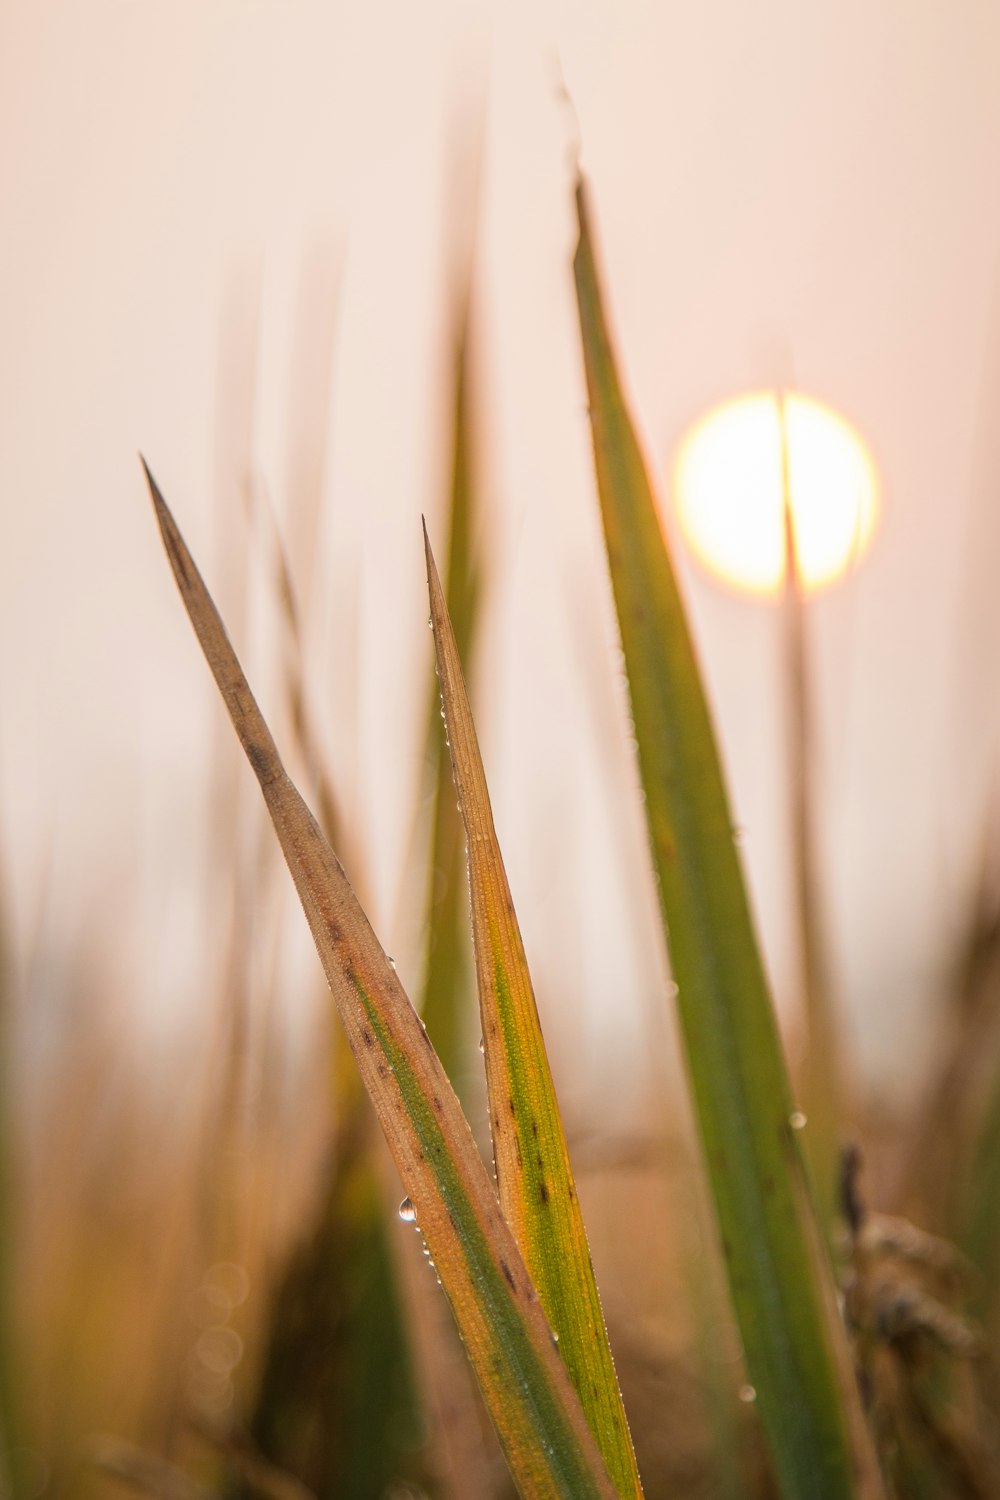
[777, 186]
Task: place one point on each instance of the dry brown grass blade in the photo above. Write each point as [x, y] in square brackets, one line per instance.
[548, 1445]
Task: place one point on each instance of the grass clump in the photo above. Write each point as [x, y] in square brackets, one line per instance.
[860, 1374]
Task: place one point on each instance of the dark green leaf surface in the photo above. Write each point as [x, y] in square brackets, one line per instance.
[795, 1351]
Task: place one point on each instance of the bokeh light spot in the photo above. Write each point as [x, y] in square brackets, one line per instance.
[728, 492]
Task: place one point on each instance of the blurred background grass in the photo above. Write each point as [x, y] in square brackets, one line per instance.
[241, 238]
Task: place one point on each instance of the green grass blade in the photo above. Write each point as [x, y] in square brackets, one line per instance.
[448, 968]
[544, 1434]
[795, 1351]
[537, 1192]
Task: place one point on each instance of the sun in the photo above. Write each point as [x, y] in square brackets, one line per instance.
[728, 492]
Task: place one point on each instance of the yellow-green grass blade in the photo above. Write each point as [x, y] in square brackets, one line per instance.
[448, 968]
[796, 1354]
[537, 1192]
[549, 1447]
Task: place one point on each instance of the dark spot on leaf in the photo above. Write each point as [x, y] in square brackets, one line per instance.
[261, 762]
[543, 1192]
[369, 1039]
[510, 1106]
[508, 1275]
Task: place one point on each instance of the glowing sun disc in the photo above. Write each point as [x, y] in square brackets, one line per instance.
[728, 492]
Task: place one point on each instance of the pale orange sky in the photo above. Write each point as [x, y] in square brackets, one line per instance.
[819, 181]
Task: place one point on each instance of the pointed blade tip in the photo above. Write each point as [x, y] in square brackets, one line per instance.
[433, 580]
[156, 494]
[154, 488]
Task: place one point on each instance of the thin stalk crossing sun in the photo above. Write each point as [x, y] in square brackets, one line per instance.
[728, 492]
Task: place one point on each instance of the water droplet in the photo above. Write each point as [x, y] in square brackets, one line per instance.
[739, 834]
[673, 989]
[482, 1045]
[430, 622]
[747, 1394]
[555, 1336]
[407, 1212]
[391, 962]
[797, 1119]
